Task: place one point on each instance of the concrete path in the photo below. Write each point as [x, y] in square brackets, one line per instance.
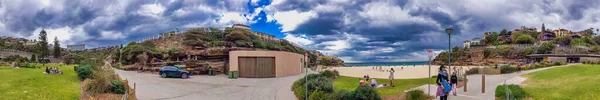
[203, 87]
[474, 86]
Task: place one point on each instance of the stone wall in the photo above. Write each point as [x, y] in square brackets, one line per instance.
[557, 59]
[9, 52]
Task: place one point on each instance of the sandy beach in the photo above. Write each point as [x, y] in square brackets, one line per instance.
[401, 72]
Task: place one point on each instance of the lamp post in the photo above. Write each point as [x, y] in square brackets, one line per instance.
[449, 31]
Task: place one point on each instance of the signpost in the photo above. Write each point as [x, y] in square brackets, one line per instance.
[306, 76]
[430, 54]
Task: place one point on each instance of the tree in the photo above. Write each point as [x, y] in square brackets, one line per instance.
[563, 40]
[43, 44]
[33, 58]
[2, 42]
[545, 48]
[56, 48]
[491, 38]
[524, 39]
[503, 32]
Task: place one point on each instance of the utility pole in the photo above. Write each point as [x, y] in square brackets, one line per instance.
[449, 31]
[306, 77]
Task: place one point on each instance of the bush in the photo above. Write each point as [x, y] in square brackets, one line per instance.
[84, 71]
[315, 82]
[416, 95]
[116, 86]
[329, 74]
[365, 92]
[507, 69]
[319, 95]
[524, 39]
[472, 71]
[101, 81]
[556, 63]
[516, 91]
[341, 95]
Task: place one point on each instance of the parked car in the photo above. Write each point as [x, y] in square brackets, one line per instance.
[172, 71]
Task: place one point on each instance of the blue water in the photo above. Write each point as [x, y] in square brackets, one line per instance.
[387, 63]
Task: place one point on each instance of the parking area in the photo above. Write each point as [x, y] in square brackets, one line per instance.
[203, 87]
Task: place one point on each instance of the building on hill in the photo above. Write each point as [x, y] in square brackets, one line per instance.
[467, 44]
[31, 42]
[545, 35]
[561, 32]
[167, 34]
[485, 34]
[264, 35]
[526, 29]
[78, 47]
[241, 26]
[473, 42]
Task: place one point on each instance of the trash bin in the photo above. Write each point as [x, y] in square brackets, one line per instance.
[235, 74]
[211, 72]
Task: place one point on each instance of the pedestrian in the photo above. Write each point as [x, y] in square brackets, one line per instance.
[392, 77]
[519, 67]
[47, 70]
[453, 81]
[442, 82]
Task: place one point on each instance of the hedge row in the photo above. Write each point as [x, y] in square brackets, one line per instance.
[320, 87]
[509, 69]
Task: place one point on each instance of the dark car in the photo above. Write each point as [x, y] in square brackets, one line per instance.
[172, 71]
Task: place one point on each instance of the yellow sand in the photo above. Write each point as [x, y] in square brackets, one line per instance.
[401, 72]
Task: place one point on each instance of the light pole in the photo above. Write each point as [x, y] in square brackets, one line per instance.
[430, 53]
[449, 31]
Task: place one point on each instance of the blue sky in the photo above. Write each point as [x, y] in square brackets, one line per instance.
[354, 30]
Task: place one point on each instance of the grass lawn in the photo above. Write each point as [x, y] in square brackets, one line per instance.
[33, 84]
[351, 83]
[577, 82]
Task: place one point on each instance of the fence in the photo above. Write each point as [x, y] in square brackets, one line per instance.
[129, 92]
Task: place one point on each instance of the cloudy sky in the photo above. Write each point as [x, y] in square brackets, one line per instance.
[355, 30]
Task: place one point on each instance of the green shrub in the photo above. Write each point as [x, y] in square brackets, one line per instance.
[416, 95]
[315, 82]
[117, 67]
[329, 74]
[101, 81]
[507, 69]
[472, 71]
[556, 63]
[84, 71]
[341, 95]
[319, 95]
[365, 92]
[563, 63]
[515, 90]
[116, 86]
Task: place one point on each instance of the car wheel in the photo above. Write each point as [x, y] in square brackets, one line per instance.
[184, 75]
[163, 75]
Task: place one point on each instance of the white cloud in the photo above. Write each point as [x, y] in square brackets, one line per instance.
[301, 40]
[383, 14]
[65, 35]
[111, 35]
[291, 19]
[232, 18]
[151, 10]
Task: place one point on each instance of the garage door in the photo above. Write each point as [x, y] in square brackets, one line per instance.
[256, 67]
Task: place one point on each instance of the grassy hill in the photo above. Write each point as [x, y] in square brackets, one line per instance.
[33, 84]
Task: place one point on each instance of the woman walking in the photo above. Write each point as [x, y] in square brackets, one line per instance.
[392, 77]
[442, 82]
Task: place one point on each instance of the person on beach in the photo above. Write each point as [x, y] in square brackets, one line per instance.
[453, 81]
[441, 79]
[374, 83]
[392, 77]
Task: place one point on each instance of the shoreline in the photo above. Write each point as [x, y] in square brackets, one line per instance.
[401, 72]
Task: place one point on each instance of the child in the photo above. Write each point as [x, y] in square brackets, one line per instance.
[453, 81]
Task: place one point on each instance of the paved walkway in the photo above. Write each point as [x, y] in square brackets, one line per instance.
[491, 82]
[203, 87]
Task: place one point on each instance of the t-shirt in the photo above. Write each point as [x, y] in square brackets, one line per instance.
[391, 74]
[373, 81]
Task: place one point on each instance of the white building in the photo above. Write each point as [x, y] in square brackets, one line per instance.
[79, 47]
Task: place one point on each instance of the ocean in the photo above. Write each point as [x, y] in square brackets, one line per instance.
[386, 63]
